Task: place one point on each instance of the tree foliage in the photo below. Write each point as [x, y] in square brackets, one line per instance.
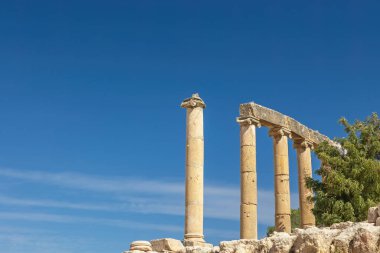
[350, 174]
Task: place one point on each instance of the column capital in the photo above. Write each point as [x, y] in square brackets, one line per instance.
[248, 120]
[302, 143]
[278, 131]
[194, 101]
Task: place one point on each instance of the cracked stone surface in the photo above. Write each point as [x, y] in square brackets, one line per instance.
[345, 237]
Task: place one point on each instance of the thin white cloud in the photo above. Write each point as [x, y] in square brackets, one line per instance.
[120, 195]
[133, 225]
[26, 239]
[48, 217]
[139, 195]
[5, 200]
[94, 183]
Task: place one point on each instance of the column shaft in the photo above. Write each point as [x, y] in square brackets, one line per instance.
[248, 179]
[305, 171]
[194, 169]
[281, 177]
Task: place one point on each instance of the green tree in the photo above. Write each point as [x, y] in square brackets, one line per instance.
[350, 174]
[295, 218]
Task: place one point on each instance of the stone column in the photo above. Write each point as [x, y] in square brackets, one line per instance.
[194, 169]
[303, 148]
[248, 183]
[281, 176]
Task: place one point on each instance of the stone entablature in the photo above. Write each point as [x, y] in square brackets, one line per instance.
[344, 237]
[281, 128]
[271, 118]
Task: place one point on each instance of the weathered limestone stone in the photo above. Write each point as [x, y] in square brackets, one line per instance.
[135, 251]
[281, 127]
[313, 239]
[346, 237]
[278, 242]
[377, 223]
[281, 174]
[198, 249]
[248, 178]
[239, 246]
[194, 168]
[139, 251]
[271, 118]
[215, 249]
[167, 244]
[357, 237]
[365, 240]
[144, 246]
[198, 244]
[282, 242]
[341, 243]
[372, 214]
[342, 225]
[303, 148]
[141, 248]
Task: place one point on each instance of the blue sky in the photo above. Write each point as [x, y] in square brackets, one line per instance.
[92, 138]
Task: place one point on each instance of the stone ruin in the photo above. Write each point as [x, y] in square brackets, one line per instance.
[343, 237]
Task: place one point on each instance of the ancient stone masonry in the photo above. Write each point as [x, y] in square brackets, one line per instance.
[271, 118]
[374, 215]
[140, 246]
[248, 195]
[281, 178]
[194, 169]
[281, 128]
[303, 148]
[345, 237]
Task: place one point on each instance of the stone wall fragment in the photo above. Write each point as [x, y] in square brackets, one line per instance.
[144, 246]
[372, 214]
[167, 244]
[377, 221]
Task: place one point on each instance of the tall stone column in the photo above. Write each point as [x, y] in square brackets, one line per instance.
[281, 176]
[194, 169]
[248, 178]
[303, 148]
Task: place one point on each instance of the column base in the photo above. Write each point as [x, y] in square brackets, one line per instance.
[194, 237]
[195, 240]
